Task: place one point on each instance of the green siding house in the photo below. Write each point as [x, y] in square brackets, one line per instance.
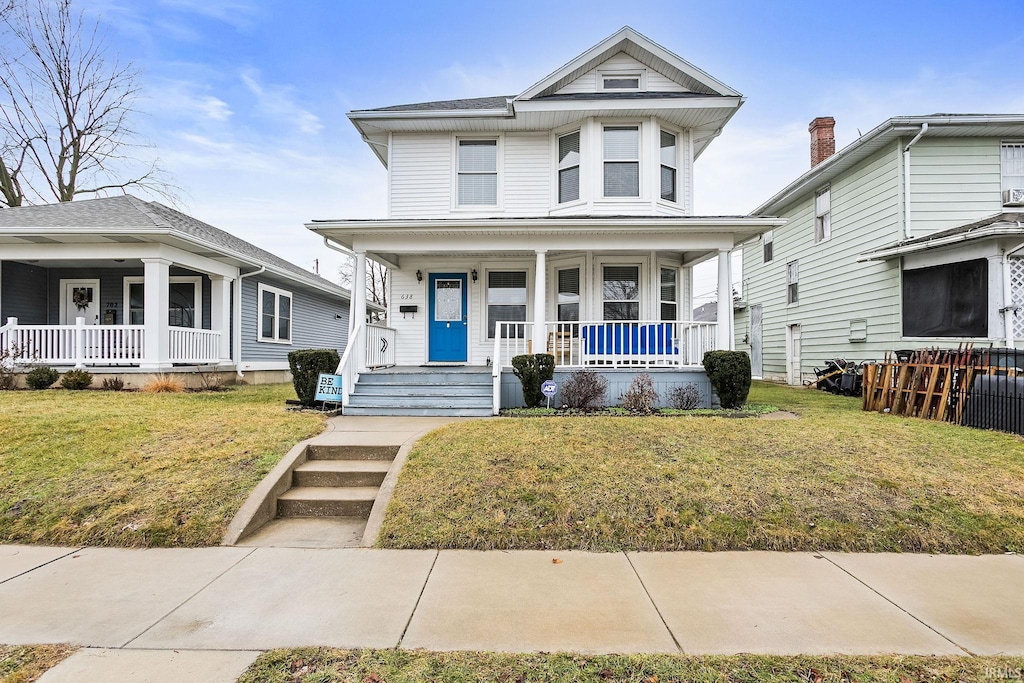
[909, 237]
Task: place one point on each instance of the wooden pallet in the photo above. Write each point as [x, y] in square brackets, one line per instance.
[932, 384]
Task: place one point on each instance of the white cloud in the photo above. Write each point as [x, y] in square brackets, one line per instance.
[276, 102]
[237, 13]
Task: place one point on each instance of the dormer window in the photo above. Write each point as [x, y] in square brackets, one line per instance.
[622, 81]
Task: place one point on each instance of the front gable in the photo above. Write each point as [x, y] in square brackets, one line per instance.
[622, 65]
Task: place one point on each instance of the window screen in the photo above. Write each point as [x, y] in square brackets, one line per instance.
[478, 173]
[569, 167]
[622, 161]
[950, 300]
[668, 166]
[621, 292]
[506, 299]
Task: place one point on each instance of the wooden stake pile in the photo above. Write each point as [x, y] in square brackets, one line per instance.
[932, 384]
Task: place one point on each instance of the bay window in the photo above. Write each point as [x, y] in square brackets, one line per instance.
[622, 161]
[569, 167]
[668, 166]
[669, 294]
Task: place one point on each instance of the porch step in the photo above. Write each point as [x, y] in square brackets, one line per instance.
[341, 473]
[326, 452]
[399, 411]
[361, 400]
[463, 392]
[317, 501]
[427, 377]
[435, 390]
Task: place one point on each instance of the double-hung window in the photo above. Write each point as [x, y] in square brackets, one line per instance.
[669, 294]
[568, 304]
[1012, 158]
[822, 214]
[768, 246]
[506, 300]
[668, 166]
[792, 283]
[478, 173]
[622, 161]
[275, 314]
[621, 292]
[569, 167]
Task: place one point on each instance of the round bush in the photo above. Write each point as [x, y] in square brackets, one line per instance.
[729, 372]
[76, 380]
[41, 378]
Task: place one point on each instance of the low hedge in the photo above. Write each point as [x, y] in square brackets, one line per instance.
[306, 366]
[729, 372]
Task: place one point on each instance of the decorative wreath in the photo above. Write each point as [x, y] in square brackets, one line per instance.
[81, 298]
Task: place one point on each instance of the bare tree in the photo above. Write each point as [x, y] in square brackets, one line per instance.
[377, 276]
[65, 109]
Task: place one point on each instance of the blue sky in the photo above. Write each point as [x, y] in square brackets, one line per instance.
[245, 100]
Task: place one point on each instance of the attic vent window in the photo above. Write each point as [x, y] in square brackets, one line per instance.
[620, 81]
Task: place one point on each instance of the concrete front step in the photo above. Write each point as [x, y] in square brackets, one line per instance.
[478, 390]
[427, 378]
[400, 411]
[328, 452]
[341, 473]
[348, 501]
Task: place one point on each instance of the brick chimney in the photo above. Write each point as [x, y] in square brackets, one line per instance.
[823, 139]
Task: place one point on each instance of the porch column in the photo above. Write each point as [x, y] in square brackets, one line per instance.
[724, 336]
[156, 305]
[357, 314]
[220, 313]
[539, 297]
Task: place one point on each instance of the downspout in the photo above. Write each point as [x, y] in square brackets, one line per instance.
[1009, 309]
[906, 180]
[236, 345]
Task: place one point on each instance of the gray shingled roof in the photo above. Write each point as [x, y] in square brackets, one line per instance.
[499, 102]
[127, 212]
[961, 229]
[644, 95]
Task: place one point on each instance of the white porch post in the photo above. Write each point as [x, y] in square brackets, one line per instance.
[724, 336]
[539, 298]
[220, 313]
[156, 304]
[358, 313]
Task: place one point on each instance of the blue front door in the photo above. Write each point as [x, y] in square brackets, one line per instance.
[448, 316]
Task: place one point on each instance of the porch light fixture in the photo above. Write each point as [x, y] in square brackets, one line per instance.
[119, 260]
[419, 276]
[474, 275]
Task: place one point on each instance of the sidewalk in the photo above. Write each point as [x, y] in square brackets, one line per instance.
[244, 599]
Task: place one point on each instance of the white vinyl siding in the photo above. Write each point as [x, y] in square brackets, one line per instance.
[526, 180]
[477, 162]
[621, 161]
[420, 175]
[621, 63]
[953, 181]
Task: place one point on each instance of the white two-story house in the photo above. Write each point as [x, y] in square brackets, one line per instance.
[910, 237]
[558, 220]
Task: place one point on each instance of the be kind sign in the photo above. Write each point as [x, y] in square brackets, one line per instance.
[328, 388]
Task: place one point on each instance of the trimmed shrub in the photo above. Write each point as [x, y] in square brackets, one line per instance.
[76, 380]
[164, 384]
[306, 366]
[585, 390]
[42, 377]
[684, 397]
[532, 371]
[112, 384]
[729, 372]
[641, 395]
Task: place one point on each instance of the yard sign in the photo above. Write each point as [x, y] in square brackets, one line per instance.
[328, 388]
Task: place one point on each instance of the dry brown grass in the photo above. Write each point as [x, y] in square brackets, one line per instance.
[837, 478]
[164, 384]
[26, 663]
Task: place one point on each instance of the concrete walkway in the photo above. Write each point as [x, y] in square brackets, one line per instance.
[139, 604]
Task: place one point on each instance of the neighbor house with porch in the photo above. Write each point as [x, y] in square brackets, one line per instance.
[559, 220]
[123, 286]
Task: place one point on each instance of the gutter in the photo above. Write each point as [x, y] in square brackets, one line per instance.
[979, 233]
[906, 180]
[236, 346]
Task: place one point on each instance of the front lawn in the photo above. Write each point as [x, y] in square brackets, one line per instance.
[400, 666]
[837, 479]
[23, 664]
[135, 469]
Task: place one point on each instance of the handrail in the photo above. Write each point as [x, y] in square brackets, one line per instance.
[347, 365]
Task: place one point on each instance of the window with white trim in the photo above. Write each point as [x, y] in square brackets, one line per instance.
[569, 167]
[184, 301]
[506, 300]
[621, 81]
[568, 304]
[669, 294]
[668, 166]
[1012, 165]
[792, 283]
[621, 292]
[822, 214]
[275, 315]
[768, 246]
[478, 173]
[622, 161]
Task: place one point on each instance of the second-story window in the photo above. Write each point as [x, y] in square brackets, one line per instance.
[668, 166]
[478, 173]
[622, 161]
[793, 283]
[569, 167]
[768, 246]
[822, 215]
[1012, 165]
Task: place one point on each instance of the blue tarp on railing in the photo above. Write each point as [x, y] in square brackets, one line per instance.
[629, 339]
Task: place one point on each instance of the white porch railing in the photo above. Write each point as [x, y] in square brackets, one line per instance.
[188, 345]
[380, 346]
[632, 343]
[348, 366]
[84, 345]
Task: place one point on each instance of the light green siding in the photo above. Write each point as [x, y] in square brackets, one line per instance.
[953, 181]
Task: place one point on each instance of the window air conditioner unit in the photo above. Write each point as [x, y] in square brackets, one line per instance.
[1014, 197]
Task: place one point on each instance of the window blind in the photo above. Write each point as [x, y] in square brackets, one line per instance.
[478, 156]
[1013, 165]
[506, 299]
[621, 143]
[478, 173]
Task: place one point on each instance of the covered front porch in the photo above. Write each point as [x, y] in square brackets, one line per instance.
[155, 309]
